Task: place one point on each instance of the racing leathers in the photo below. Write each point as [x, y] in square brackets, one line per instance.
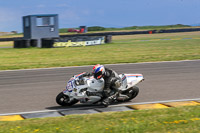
[111, 86]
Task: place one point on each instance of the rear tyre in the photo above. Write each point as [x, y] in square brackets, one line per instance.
[64, 100]
[128, 94]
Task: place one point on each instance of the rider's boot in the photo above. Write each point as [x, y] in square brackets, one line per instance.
[107, 101]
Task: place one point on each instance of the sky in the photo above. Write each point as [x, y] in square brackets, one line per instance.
[105, 13]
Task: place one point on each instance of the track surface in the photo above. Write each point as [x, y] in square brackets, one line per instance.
[32, 90]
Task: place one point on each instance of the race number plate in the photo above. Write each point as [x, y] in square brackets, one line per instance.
[70, 86]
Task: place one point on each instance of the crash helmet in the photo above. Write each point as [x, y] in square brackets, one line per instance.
[98, 71]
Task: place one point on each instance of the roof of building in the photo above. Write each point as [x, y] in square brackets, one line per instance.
[41, 15]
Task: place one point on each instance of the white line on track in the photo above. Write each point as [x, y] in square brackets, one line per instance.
[78, 108]
[35, 69]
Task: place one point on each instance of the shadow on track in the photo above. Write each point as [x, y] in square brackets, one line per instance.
[82, 106]
[78, 106]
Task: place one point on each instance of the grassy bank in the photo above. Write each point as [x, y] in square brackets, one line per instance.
[123, 49]
[171, 120]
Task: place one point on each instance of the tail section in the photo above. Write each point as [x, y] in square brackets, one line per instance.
[130, 80]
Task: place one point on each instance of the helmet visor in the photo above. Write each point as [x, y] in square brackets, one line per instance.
[98, 75]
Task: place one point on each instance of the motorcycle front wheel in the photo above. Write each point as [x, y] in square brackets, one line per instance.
[128, 94]
[64, 100]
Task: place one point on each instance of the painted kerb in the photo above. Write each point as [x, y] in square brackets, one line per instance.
[161, 105]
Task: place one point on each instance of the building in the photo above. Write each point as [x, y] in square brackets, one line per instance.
[40, 26]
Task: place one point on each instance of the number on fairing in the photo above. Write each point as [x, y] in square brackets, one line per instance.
[70, 86]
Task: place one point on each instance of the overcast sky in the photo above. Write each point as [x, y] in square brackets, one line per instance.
[106, 13]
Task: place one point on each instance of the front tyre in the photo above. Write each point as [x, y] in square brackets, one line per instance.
[64, 100]
[128, 94]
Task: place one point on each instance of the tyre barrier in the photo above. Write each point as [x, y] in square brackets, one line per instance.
[47, 43]
[25, 43]
[92, 110]
[108, 39]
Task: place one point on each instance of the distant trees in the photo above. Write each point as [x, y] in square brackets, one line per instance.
[148, 27]
[96, 28]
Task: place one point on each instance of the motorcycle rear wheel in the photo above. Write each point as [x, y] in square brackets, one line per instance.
[130, 94]
[64, 100]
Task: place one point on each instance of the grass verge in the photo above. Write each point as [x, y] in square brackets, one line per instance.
[171, 120]
[6, 44]
[128, 50]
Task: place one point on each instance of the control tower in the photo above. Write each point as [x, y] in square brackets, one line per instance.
[40, 26]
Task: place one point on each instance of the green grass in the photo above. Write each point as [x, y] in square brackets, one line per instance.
[6, 44]
[120, 51]
[171, 120]
[12, 35]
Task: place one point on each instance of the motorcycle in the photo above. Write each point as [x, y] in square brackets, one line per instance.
[78, 86]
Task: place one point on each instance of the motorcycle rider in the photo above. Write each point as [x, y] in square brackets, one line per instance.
[111, 86]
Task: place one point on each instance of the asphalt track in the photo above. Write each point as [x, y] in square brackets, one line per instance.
[34, 90]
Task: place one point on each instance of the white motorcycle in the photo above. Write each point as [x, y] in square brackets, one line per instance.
[76, 89]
